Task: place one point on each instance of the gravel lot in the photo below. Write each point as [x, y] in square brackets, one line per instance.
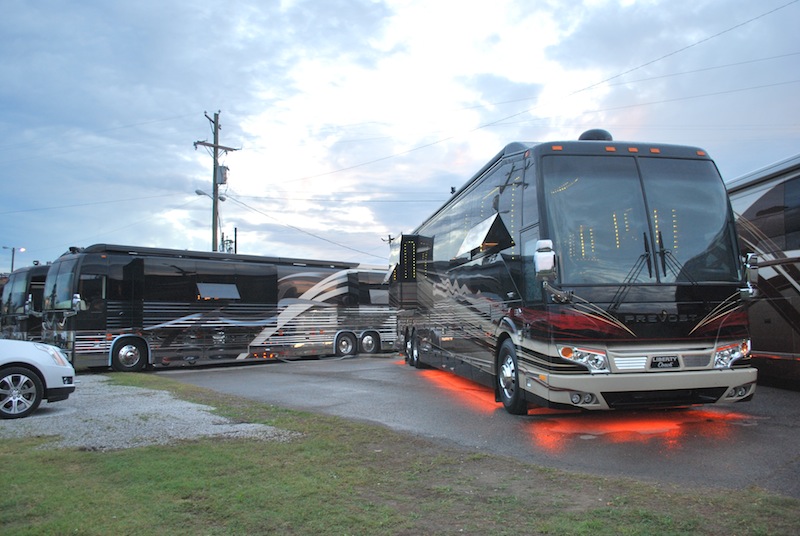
[99, 416]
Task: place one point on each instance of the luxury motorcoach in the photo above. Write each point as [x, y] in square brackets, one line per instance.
[132, 307]
[591, 273]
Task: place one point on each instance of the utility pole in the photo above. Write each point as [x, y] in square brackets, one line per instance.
[216, 178]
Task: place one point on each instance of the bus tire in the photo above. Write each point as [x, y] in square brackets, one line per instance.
[370, 342]
[413, 359]
[345, 344]
[508, 380]
[129, 355]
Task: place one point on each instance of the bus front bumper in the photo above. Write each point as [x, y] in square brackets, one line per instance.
[640, 390]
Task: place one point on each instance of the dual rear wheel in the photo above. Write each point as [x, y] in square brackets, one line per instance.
[347, 345]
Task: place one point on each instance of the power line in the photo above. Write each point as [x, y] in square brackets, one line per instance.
[687, 47]
[94, 203]
[676, 99]
[704, 69]
[298, 229]
[528, 110]
[342, 200]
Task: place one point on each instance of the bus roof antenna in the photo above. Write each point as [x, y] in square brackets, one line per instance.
[596, 134]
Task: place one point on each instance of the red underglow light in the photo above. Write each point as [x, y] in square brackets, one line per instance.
[554, 431]
[476, 396]
[665, 428]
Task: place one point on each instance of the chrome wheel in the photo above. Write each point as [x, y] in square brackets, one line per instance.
[129, 356]
[345, 344]
[508, 380]
[21, 393]
[508, 377]
[414, 359]
[369, 343]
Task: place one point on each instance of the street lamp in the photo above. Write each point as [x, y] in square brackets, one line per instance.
[214, 215]
[13, 251]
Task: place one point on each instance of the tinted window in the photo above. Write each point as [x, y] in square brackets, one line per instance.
[792, 217]
[257, 283]
[60, 286]
[170, 280]
[499, 190]
[15, 293]
[607, 228]
[597, 219]
[691, 220]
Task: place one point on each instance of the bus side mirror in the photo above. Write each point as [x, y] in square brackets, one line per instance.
[751, 277]
[544, 261]
[751, 268]
[77, 303]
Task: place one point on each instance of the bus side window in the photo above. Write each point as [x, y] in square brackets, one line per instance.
[531, 287]
[530, 202]
[92, 291]
[791, 196]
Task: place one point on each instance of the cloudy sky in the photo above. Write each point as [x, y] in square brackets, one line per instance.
[353, 118]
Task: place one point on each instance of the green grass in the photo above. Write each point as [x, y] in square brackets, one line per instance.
[342, 478]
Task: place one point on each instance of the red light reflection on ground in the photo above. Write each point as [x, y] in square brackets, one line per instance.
[666, 428]
[553, 430]
[474, 395]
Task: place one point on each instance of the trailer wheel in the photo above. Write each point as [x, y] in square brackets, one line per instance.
[346, 344]
[129, 355]
[370, 342]
[508, 380]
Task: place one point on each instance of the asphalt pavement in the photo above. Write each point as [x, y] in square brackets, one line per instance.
[722, 446]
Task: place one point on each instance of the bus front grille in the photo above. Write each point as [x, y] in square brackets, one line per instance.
[672, 397]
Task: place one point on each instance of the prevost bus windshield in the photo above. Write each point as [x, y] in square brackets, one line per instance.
[627, 220]
[59, 286]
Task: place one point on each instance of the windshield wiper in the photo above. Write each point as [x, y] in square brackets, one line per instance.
[647, 254]
[669, 260]
[633, 274]
[662, 253]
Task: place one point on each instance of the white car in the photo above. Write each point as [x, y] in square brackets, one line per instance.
[29, 373]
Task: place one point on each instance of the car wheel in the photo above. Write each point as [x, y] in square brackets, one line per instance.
[508, 380]
[21, 392]
[129, 355]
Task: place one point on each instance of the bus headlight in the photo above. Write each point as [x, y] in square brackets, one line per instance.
[594, 360]
[726, 355]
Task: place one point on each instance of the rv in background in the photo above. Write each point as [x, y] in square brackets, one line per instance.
[131, 307]
[767, 207]
[21, 307]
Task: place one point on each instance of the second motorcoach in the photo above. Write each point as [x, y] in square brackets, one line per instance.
[21, 307]
[587, 274]
[767, 207]
[131, 307]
